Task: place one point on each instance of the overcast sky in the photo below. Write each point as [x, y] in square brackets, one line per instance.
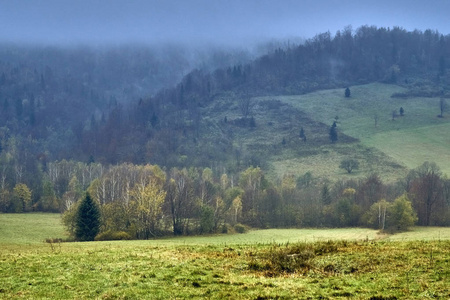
[231, 22]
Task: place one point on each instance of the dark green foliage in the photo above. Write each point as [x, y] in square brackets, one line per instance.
[207, 219]
[333, 133]
[252, 122]
[347, 93]
[87, 219]
[401, 215]
[302, 134]
[239, 228]
[349, 165]
[325, 194]
[154, 120]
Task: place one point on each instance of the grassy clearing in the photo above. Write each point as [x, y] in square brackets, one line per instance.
[263, 264]
[409, 140]
[23, 229]
[414, 146]
[326, 163]
[275, 142]
[422, 234]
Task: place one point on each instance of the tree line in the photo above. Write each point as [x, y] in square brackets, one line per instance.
[145, 201]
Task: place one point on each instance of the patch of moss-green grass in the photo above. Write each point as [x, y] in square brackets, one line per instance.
[354, 269]
[414, 146]
[409, 140]
[30, 228]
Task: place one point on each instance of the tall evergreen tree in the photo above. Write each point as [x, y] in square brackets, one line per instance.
[347, 93]
[302, 134]
[87, 219]
[333, 133]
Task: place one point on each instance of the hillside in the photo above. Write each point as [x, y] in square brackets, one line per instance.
[405, 141]
[231, 118]
[74, 119]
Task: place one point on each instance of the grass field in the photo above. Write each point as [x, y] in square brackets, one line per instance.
[407, 141]
[30, 229]
[414, 146]
[263, 264]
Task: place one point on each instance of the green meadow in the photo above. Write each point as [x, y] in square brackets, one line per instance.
[349, 263]
[387, 145]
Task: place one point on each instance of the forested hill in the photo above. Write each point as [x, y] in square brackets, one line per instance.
[175, 126]
[73, 120]
[51, 93]
[88, 106]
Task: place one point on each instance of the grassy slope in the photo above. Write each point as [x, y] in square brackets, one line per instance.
[409, 140]
[218, 267]
[23, 229]
[280, 118]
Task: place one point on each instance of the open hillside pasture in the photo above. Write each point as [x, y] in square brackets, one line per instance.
[264, 264]
[30, 229]
[388, 143]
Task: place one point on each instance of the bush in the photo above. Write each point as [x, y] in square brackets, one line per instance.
[401, 214]
[239, 228]
[349, 165]
[111, 235]
[292, 258]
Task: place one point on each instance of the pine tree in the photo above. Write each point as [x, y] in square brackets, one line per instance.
[333, 133]
[302, 134]
[87, 219]
[347, 93]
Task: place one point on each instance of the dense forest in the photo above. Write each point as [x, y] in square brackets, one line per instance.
[133, 131]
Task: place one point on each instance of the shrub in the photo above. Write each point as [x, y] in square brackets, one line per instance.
[291, 258]
[112, 235]
[349, 165]
[239, 228]
[401, 214]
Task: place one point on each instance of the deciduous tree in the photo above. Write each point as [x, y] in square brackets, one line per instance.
[401, 215]
[349, 165]
[21, 198]
[427, 192]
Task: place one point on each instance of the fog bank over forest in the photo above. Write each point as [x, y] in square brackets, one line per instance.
[194, 22]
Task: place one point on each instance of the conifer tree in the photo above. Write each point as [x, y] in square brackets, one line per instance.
[333, 133]
[347, 93]
[87, 219]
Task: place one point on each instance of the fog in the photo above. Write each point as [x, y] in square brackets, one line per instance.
[196, 22]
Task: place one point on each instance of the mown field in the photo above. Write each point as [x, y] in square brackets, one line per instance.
[390, 145]
[263, 264]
